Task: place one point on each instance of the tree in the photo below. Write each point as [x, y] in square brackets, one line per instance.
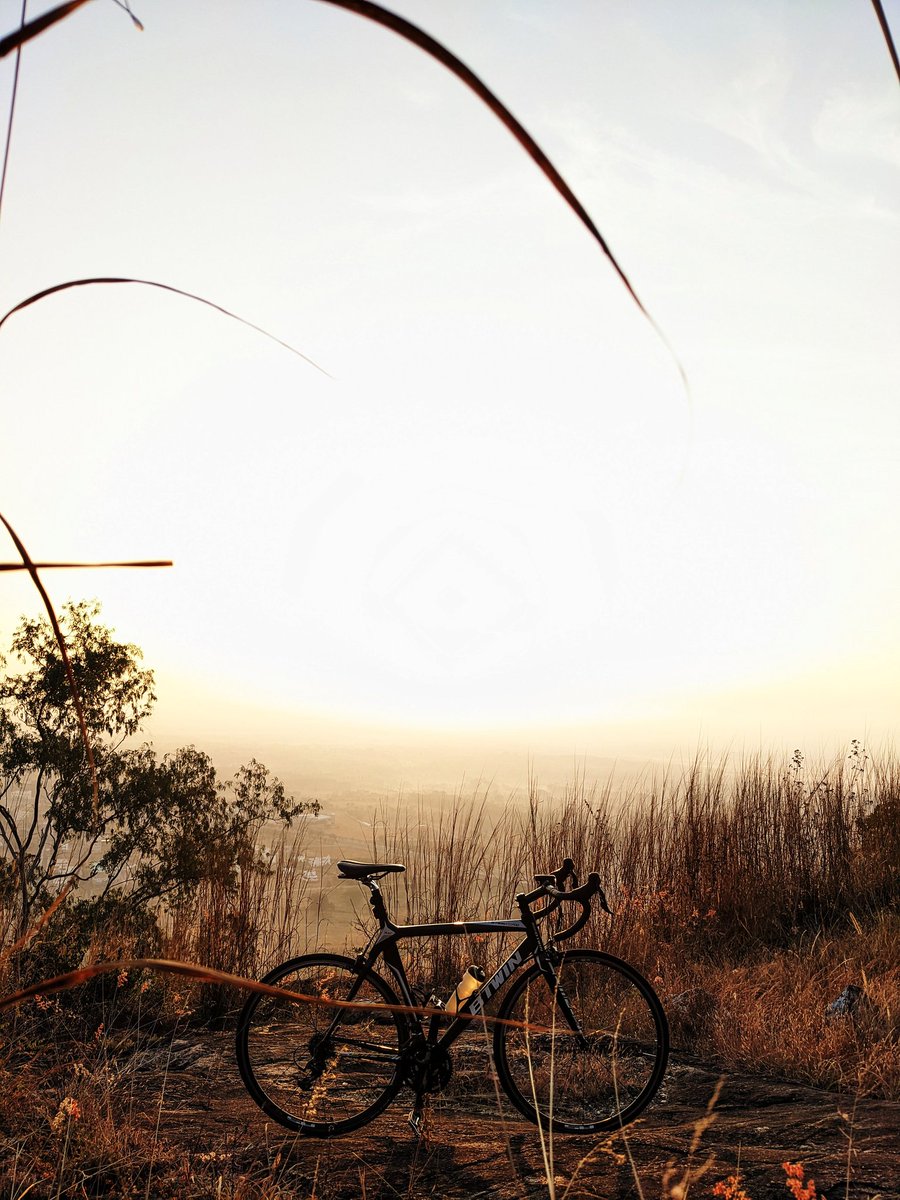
[162, 824]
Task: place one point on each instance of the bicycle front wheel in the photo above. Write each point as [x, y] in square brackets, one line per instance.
[318, 1069]
[593, 1048]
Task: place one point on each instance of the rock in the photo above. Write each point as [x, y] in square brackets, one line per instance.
[845, 1003]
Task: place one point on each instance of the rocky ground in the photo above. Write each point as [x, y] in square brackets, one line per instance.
[472, 1149]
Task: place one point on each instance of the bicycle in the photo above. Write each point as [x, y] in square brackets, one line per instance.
[580, 1041]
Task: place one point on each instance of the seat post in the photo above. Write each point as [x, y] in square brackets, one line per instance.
[377, 902]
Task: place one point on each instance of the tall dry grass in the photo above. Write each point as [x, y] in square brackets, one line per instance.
[760, 851]
[751, 893]
[245, 930]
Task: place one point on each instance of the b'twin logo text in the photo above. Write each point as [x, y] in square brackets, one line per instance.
[495, 982]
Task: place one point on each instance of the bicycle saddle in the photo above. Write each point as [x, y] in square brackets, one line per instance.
[363, 870]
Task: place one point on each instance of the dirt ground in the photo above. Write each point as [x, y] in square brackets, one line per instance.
[474, 1148]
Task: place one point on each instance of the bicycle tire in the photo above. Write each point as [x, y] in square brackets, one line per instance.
[568, 1088]
[312, 1087]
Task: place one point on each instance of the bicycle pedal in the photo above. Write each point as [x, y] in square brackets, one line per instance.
[414, 1120]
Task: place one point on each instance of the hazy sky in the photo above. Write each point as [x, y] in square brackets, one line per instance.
[503, 510]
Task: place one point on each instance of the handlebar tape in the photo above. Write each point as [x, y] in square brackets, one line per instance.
[548, 885]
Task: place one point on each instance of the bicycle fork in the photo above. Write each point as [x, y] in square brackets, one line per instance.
[559, 994]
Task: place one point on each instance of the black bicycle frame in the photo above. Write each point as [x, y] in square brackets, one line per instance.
[385, 946]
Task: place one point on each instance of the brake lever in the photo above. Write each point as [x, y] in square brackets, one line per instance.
[601, 897]
[584, 894]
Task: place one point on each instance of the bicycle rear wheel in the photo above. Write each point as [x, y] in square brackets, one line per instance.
[317, 1069]
[594, 1078]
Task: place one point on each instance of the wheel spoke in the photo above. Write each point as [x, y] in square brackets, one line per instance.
[316, 1067]
[598, 1074]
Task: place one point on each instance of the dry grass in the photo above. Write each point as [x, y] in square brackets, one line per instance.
[244, 931]
[751, 895]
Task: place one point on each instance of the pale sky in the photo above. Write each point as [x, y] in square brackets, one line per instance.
[503, 511]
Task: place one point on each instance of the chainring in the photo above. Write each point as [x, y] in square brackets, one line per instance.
[426, 1069]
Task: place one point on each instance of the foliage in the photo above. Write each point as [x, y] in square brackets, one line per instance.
[162, 824]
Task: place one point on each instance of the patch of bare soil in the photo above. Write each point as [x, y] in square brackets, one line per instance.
[474, 1147]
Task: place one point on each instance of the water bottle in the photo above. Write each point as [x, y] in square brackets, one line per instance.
[467, 986]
